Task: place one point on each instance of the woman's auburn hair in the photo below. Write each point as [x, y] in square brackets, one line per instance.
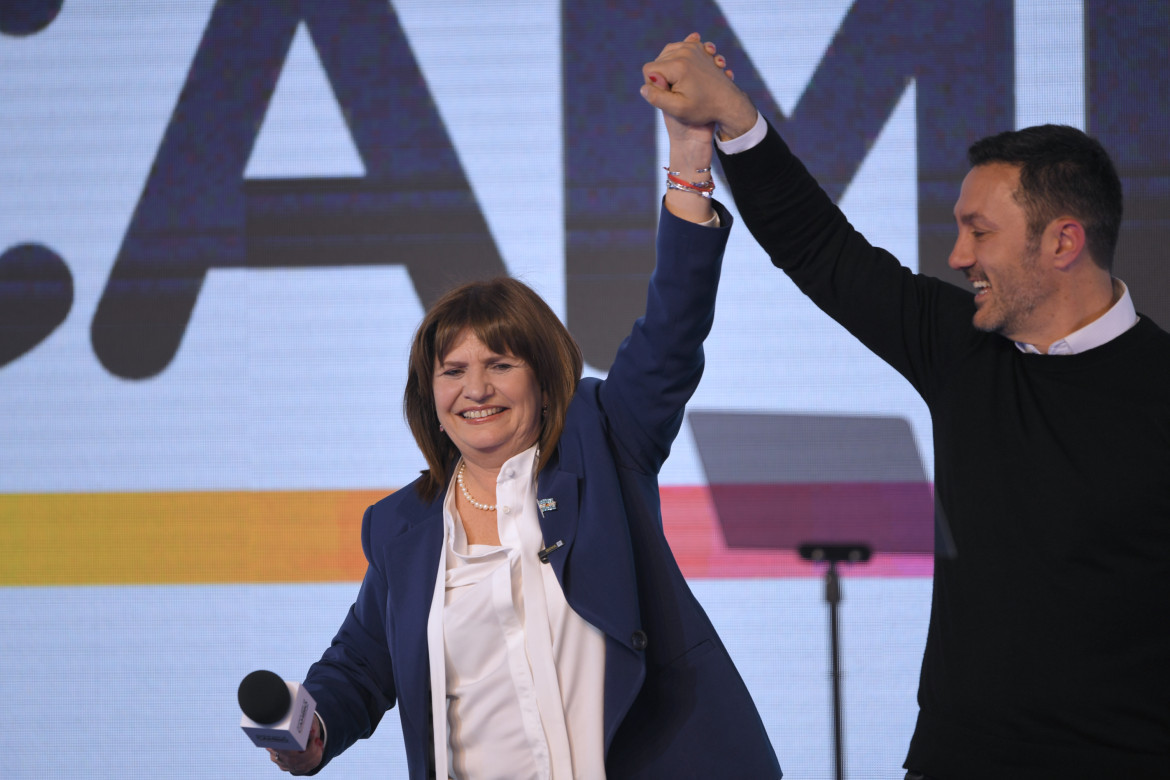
[508, 317]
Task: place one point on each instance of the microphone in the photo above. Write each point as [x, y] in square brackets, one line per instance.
[277, 714]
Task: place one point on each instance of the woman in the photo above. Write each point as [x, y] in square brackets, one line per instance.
[521, 601]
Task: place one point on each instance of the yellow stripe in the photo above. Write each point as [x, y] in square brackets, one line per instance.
[168, 538]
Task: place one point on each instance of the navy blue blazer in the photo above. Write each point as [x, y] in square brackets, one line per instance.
[675, 706]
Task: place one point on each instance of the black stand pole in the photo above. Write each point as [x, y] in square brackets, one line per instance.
[833, 554]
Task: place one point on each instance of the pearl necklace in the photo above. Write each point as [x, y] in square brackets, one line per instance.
[463, 489]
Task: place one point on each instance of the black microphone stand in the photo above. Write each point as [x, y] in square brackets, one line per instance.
[834, 554]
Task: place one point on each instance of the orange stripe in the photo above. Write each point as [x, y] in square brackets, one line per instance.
[137, 538]
[293, 536]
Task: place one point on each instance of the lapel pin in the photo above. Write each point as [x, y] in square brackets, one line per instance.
[543, 554]
[547, 504]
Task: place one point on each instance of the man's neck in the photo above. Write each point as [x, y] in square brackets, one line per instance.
[1089, 329]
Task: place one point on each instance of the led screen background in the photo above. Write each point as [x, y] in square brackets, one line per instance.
[220, 223]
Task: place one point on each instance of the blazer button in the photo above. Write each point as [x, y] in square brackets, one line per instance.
[639, 640]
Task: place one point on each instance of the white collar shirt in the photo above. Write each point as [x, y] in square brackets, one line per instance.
[1121, 317]
[517, 677]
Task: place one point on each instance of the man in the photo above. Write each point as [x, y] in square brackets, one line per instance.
[1049, 395]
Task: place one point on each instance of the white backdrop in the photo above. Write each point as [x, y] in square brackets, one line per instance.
[291, 379]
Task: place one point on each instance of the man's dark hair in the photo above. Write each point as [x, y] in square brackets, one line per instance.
[1062, 172]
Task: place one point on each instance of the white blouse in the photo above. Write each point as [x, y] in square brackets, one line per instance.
[523, 674]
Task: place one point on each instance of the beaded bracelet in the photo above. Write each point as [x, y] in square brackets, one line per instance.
[702, 188]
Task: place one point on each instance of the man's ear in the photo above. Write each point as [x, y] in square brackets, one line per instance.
[1066, 238]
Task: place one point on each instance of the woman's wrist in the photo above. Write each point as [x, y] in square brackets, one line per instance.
[691, 156]
[689, 191]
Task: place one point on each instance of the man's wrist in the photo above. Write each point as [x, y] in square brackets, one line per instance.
[737, 118]
[742, 141]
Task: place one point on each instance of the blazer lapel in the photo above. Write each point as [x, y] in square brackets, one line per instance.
[557, 490]
[596, 565]
[411, 561]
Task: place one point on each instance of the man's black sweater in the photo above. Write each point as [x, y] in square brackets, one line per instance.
[1048, 652]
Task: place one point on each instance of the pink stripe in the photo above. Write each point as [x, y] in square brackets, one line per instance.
[696, 536]
[888, 516]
